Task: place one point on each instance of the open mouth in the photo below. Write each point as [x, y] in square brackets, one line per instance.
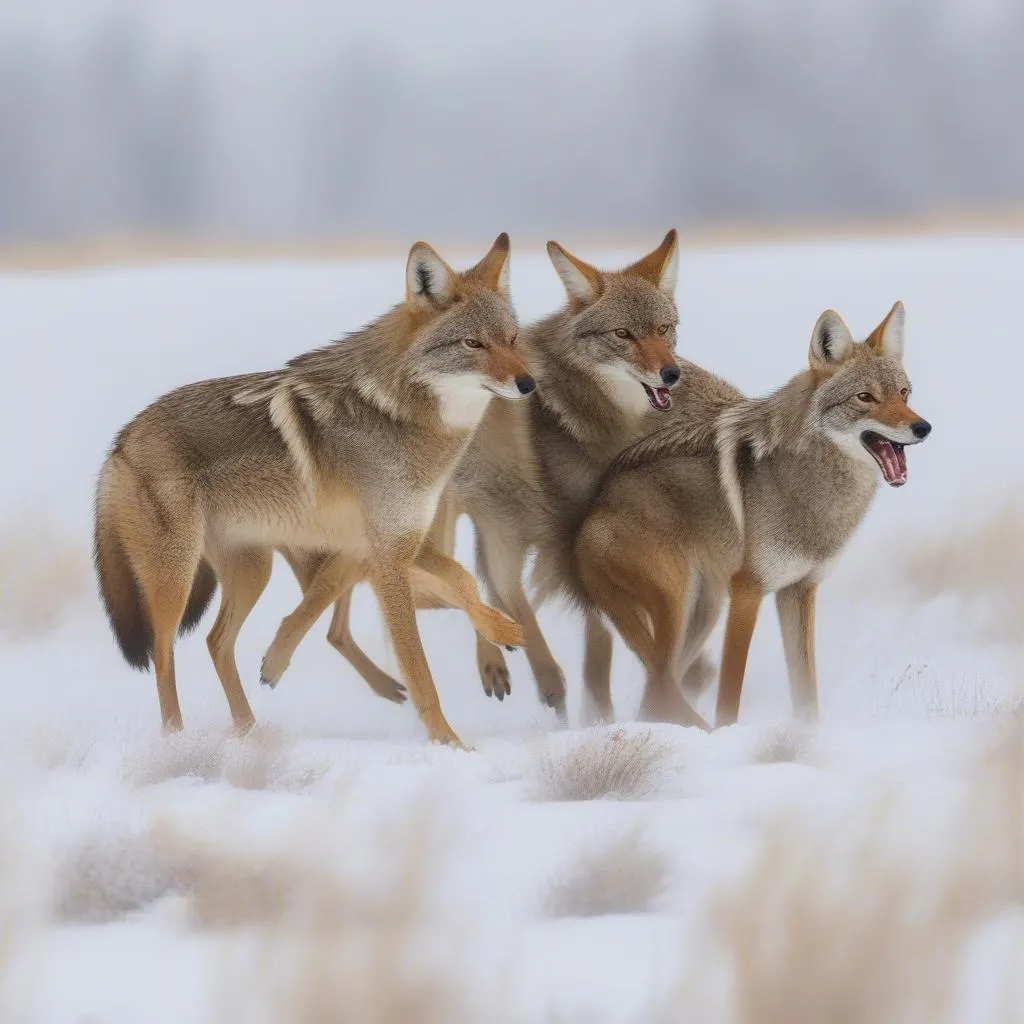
[659, 398]
[890, 456]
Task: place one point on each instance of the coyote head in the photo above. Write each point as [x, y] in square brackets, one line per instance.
[464, 341]
[623, 323]
[862, 392]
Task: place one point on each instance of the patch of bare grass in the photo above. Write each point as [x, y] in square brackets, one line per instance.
[624, 876]
[615, 764]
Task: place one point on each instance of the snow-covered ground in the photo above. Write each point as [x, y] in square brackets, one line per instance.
[333, 866]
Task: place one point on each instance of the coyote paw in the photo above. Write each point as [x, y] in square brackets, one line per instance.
[551, 690]
[500, 630]
[494, 676]
[272, 667]
[389, 689]
[243, 725]
[445, 736]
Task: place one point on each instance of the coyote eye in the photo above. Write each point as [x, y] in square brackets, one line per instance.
[664, 328]
[904, 393]
[866, 396]
[471, 343]
[512, 340]
[621, 332]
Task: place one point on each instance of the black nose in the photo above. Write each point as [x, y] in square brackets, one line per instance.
[525, 383]
[670, 375]
[921, 429]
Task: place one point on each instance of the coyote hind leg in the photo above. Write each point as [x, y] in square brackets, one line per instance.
[243, 577]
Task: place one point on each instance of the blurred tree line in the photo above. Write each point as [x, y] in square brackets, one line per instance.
[773, 113]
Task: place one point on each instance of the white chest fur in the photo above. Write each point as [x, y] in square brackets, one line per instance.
[624, 390]
[462, 398]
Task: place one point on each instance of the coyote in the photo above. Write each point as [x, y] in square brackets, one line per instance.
[746, 497]
[344, 452]
[605, 366]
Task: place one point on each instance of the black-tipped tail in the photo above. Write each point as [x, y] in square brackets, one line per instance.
[120, 593]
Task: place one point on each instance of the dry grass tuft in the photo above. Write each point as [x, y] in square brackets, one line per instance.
[301, 939]
[981, 563]
[317, 948]
[870, 922]
[260, 760]
[388, 977]
[41, 576]
[197, 755]
[783, 744]
[618, 765]
[113, 871]
[626, 876]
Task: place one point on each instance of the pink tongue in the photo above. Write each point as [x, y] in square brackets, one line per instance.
[892, 462]
[661, 397]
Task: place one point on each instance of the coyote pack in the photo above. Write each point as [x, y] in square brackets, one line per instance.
[650, 490]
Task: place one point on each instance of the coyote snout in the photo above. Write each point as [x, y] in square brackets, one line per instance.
[507, 375]
[654, 366]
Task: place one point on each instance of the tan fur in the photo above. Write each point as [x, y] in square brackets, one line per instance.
[739, 498]
[345, 453]
[531, 469]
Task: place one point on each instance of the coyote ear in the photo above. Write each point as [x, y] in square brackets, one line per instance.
[887, 338]
[429, 281]
[660, 267]
[831, 341]
[582, 281]
[492, 270]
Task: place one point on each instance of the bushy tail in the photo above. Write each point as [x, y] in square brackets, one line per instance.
[120, 592]
[122, 596]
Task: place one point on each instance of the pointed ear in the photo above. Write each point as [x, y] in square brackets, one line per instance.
[660, 267]
[429, 281]
[492, 270]
[582, 281]
[887, 338]
[831, 342]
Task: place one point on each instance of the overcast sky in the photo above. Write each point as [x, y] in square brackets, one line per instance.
[433, 30]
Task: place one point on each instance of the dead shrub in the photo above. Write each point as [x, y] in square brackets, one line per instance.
[602, 764]
[624, 876]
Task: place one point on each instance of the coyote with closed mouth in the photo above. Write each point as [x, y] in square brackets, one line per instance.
[344, 453]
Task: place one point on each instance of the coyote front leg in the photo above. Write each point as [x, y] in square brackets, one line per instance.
[795, 605]
[440, 576]
[391, 579]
